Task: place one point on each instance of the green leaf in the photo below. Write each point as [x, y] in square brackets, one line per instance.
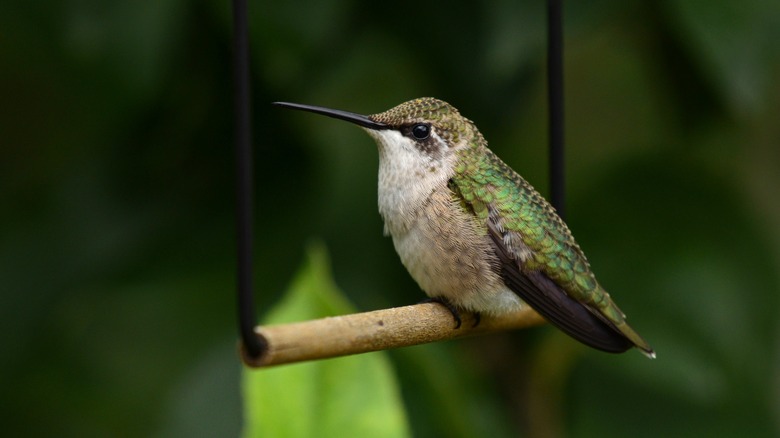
[354, 396]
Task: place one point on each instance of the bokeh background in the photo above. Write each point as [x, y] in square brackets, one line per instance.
[116, 187]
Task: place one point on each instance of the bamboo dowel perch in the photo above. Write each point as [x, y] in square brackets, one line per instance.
[372, 331]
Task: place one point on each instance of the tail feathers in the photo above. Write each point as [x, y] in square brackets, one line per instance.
[634, 337]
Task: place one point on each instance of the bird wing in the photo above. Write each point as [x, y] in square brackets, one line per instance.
[539, 259]
[552, 302]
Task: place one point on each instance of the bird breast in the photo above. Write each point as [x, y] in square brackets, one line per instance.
[449, 255]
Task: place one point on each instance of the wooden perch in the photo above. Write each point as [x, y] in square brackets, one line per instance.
[372, 331]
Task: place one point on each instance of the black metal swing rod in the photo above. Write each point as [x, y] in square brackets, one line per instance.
[253, 346]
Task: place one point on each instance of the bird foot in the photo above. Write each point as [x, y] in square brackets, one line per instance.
[453, 310]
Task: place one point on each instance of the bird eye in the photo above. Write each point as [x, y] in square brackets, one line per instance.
[421, 131]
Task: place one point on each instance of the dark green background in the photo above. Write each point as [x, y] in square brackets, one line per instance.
[116, 189]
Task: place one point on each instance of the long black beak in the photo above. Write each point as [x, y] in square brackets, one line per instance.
[357, 119]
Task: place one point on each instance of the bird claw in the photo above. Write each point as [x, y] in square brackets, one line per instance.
[453, 310]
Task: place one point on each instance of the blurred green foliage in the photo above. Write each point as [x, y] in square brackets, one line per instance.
[347, 396]
[116, 179]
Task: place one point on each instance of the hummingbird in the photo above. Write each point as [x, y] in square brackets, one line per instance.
[473, 233]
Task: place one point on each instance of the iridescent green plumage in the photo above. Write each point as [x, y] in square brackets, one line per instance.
[483, 179]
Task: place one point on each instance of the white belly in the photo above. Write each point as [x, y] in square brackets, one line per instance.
[449, 256]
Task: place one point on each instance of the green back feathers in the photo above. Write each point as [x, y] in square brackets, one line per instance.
[483, 179]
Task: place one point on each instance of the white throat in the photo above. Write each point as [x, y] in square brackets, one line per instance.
[407, 177]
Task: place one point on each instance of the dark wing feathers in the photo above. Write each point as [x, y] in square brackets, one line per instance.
[547, 298]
